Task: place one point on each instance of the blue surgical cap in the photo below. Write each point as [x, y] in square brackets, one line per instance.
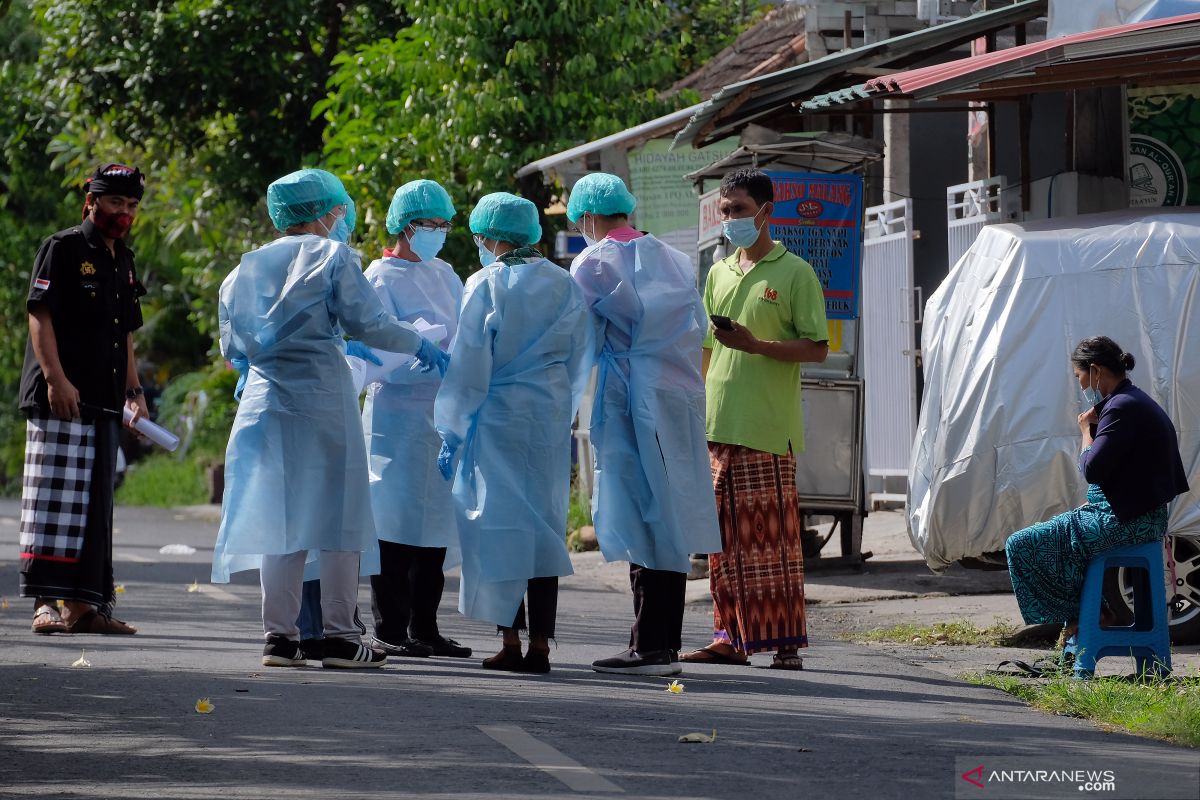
[418, 200]
[599, 193]
[506, 218]
[306, 195]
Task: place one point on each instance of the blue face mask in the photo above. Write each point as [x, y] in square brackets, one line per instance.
[486, 257]
[741, 232]
[427, 244]
[340, 232]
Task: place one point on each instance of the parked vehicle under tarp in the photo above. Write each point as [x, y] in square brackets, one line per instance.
[997, 439]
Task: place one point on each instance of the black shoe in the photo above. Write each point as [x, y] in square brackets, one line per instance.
[508, 659]
[314, 649]
[535, 662]
[441, 646]
[408, 648]
[282, 652]
[345, 654]
[631, 662]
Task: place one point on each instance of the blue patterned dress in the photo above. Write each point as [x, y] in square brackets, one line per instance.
[1047, 561]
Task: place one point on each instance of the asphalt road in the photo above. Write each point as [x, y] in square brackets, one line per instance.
[857, 722]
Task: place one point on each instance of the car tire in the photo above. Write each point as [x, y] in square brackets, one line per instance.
[1184, 599]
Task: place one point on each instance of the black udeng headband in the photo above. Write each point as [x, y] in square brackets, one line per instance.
[116, 179]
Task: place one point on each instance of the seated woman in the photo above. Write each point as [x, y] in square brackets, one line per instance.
[1130, 459]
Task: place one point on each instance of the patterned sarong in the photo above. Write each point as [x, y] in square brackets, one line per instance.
[757, 579]
[59, 455]
[1047, 562]
[66, 510]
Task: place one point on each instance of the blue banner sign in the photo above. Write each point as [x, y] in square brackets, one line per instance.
[819, 218]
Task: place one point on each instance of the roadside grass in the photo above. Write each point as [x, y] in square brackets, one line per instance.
[1168, 710]
[961, 633]
[162, 480]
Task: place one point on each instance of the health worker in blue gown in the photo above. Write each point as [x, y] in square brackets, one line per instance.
[506, 404]
[295, 467]
[414, 512]
[653, 504]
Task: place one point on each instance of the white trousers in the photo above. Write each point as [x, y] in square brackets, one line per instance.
[282, 583]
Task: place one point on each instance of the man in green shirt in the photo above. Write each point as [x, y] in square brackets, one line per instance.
[768, 313]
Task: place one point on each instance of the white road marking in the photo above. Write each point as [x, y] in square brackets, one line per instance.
[219, 593]
[551, 761]
[139, 559]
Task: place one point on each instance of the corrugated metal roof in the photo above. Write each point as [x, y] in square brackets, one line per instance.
[645, 130]
[809, 152]
[961, 76]
[740, 103]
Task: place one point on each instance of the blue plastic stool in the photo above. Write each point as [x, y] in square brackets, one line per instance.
[1148, 639]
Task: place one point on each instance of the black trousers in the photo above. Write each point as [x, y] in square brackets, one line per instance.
[406, 593]
[658, 600]
[542, 596]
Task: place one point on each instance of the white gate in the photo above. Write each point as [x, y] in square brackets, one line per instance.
[970, 206]
[889, 345]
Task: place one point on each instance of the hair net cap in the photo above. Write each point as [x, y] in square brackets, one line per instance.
[599, 193]
[506, 218]
[306, 195]
[420, 199]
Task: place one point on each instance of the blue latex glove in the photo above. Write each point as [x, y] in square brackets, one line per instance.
[359, 350]
[429, 355]
[242, 365]
[445, 460]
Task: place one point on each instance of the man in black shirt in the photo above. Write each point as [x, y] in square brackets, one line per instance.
[79, 377]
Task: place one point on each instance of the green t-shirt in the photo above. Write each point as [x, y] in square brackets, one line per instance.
[754, 401]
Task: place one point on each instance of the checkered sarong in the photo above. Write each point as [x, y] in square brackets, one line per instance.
[59, 456]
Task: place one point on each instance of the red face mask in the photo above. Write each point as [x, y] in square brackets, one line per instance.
[113, 226]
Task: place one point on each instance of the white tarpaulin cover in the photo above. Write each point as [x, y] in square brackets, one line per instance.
[1075, 16]
[998, 437]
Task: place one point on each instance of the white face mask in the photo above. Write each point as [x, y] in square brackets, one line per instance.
[590, 240]
[1091, 395]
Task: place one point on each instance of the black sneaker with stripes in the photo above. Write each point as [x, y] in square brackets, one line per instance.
[282, 652]
[345, 654]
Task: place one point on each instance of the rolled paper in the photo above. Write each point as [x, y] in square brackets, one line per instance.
[155, 433]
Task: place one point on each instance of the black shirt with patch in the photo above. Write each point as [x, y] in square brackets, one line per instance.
[93, 298]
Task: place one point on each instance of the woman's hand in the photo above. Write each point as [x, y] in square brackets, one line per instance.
[1086, 420]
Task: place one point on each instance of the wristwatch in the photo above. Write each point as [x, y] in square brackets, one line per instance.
[130, 394]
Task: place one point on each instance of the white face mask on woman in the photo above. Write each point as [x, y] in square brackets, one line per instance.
[1091, 395]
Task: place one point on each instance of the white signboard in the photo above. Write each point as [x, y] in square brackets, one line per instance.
[710, 219]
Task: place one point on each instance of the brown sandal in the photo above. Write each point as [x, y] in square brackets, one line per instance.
[95, 622]
[790, 661]
[706, 655]
[47, 620]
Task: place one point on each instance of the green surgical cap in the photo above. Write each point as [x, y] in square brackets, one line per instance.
[418, 200]
[306, 195]
[599, 193]
[506, 218]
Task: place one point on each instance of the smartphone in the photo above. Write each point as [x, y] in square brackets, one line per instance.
[721, 323]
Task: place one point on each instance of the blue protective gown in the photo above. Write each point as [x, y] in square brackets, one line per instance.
[295, 468]
[653, 504]
[514, 383]
[410, 500]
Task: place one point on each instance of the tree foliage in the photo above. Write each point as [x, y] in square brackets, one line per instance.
[474, 90]
[213, 99]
